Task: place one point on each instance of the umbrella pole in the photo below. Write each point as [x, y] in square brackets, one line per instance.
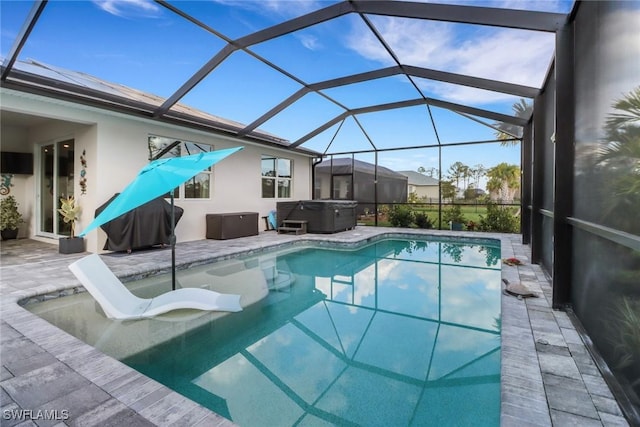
[172, 241]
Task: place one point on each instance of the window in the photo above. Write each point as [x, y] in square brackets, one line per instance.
[342, 187]
[276, 177]
[198, 187]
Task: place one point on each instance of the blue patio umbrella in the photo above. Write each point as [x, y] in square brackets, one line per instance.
[157, 178]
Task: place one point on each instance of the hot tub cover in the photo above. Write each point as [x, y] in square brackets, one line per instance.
[323, 216]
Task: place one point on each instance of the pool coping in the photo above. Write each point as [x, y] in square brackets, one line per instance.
[542, 354]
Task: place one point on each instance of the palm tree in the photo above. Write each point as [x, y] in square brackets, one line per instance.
[504, 179]
[507, 131]
[618, 169]
[620, 158]
[623, 130]
[628, 112]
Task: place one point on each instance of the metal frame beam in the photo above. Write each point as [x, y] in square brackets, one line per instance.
[495, 17]
[483, 16]
[195, 79]
[537, 181]
[243, 43]
[21, 39]
[412, 103]
[538, 21]
[563, 167]
[296, 24]
[476, 82]
[526, 153]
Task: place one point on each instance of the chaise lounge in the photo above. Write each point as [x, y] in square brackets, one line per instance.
[119, 303]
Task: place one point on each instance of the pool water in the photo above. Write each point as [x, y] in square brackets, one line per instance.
[399, 332]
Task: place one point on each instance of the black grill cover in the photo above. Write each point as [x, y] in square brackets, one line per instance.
[145, 226]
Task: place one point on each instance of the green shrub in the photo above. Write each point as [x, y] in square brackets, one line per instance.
[422, 220]
[499, 219]
[453, 214]
[10, 218]
[413, 197]
[400, 216]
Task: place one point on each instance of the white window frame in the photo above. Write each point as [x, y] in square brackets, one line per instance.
[277, 178]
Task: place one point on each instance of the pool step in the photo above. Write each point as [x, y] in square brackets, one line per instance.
[293, 226]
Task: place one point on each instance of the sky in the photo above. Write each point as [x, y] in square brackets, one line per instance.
[143, 45]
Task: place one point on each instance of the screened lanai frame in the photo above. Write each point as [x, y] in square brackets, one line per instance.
[550, 229]
[169, 110]
[528, 20]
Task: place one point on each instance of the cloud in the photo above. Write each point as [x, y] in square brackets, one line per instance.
[514, 56]
[309, 41]
[278, 8]
[129, 8]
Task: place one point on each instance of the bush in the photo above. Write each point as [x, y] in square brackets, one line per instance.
[422, 220]
[400, 216]
[10, 218]
[500, 219]
[454, 214]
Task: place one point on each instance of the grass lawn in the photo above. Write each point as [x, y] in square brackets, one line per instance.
[469, 212]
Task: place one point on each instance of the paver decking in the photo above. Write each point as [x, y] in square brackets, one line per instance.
[49, 377]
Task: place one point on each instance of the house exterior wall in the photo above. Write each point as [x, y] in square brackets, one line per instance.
[116, 148]
[21, 185]
[428, 192]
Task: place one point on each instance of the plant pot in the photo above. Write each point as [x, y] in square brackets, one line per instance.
[71, 245]
[455, 226]
[9, 234]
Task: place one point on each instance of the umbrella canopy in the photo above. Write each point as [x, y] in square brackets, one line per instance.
[156, 179]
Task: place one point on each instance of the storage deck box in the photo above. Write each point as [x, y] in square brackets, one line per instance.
[222, 226]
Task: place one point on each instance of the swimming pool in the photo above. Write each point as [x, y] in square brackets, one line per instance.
[399, 332]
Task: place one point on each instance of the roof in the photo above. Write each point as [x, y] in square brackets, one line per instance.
[416, 178]
[342, 165]
[118, 92]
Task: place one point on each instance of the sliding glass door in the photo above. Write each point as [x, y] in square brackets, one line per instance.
[55, 182]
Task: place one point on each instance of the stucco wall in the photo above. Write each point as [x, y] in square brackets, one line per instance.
[116, 148]
[430, 192]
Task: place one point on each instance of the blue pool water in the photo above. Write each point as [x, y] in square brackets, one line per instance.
[395, 333]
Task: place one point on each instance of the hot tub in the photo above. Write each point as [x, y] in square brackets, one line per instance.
[322, 216]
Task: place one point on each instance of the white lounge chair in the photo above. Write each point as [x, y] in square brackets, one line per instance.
[118, 303]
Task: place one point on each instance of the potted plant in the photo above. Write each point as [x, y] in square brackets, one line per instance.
[10, 218]
[70, 212]
[454, 217]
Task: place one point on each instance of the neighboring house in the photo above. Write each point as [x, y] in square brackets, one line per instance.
[93, 153]
[479, 192]
[425, 187]
[351, 179]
